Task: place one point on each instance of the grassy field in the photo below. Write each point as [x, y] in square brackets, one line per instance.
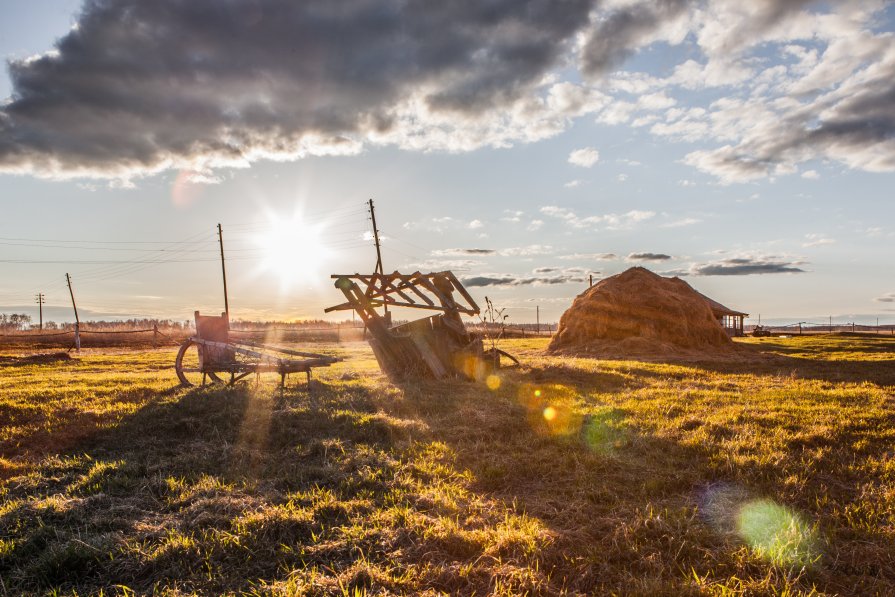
[566, 476]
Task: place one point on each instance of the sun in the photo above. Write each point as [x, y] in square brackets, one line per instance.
[293, 250]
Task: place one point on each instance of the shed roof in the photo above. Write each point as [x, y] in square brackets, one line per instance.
[719, 310]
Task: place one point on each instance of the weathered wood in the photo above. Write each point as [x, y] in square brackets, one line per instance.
[438, 346]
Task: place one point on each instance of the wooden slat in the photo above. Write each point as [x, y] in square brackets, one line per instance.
[429, 356]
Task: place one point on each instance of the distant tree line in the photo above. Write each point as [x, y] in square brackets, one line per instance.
[14, 322]
[21, 322]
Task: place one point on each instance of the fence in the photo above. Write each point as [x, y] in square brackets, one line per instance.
[155, 337]
[805, 328]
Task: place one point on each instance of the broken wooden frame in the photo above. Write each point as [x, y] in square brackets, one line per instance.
[211, 353]
[438, 346]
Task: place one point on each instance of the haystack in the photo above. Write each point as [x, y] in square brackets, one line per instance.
[638, 313]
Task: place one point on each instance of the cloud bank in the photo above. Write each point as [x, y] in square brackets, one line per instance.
[762, 87]
[138, 87]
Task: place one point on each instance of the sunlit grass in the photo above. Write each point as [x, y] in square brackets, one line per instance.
[568, 476]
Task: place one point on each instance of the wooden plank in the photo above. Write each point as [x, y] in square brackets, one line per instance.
[463, 292]
[288, 351]
[429, 356]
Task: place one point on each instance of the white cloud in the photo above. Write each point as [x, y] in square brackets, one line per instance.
[589, 257]
[573, 184]
[475, 224]
[526, 251]
[816, 240]
[610, 221]
[810, 174]
[585, 157]
[681, 223]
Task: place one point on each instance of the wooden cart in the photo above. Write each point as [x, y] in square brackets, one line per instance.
[212, 355]
[438, 346]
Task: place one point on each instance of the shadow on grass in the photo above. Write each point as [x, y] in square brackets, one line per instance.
[431, 486]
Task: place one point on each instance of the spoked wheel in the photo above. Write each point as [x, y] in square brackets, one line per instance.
[188, 367]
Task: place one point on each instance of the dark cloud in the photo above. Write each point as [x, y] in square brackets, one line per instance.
[141, 86]
[622, 32]
[889, 298]
[511, 280]
[446, 252]
[648, 257]
[745, 266]
[854, 125]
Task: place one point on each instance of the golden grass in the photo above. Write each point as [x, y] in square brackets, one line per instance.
[568, 476]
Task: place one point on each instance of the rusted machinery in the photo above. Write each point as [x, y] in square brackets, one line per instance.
[438, 346]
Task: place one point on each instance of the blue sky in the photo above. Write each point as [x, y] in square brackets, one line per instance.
[750, 149]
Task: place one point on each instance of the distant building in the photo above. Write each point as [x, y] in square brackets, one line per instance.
[730, 320]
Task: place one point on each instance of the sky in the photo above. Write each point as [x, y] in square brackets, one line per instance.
[527, 145]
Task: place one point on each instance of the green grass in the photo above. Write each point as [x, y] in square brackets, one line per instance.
[571, 476]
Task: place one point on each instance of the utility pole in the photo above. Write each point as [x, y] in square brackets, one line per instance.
[379, 269]
[591, 281]
[77, 320]
[538, 318]
[831, 324]
[40, 304]
[224, 274]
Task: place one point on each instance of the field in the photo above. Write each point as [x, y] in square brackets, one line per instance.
[566, 476]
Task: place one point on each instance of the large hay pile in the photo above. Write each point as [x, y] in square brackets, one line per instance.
[640, 314]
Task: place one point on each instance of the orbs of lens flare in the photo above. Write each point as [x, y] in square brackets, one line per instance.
[776, 533]
[492, 382]
[187, 188]
[601, 432]
[475, 368]
[550, 409]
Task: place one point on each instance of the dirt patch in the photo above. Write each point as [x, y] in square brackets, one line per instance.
[34, 359]
[640, 314]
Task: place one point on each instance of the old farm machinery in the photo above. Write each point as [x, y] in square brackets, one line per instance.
[438, 346]
[212, 355]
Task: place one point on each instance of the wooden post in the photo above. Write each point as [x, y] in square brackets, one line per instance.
[538, 318]
[77, 320]
[223, 271]
[40, 303]
[155, 335]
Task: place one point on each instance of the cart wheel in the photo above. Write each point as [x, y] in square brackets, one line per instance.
[187, 365]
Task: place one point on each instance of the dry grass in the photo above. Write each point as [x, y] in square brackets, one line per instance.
[570, 476]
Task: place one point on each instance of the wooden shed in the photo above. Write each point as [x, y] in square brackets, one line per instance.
[732, 321]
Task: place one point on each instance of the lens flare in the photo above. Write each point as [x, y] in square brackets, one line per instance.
[492, 382]
[776, 533]
[600, 432]
[549, 413]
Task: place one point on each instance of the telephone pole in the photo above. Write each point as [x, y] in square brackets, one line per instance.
[538, 318]
[77, 320]
[379, 269]
[40, 304]
[224, 273]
